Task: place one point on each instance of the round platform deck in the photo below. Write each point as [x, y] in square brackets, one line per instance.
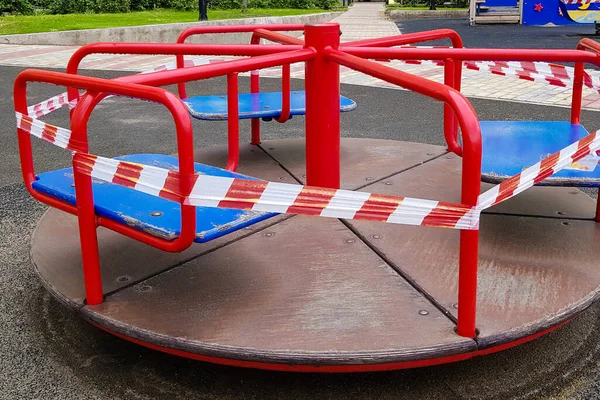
[319, 294]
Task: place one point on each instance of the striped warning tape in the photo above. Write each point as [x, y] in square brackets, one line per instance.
[553, 74]
[60, 137]
[223, 192]
[47, 106]
[540, 171]
[60, 100]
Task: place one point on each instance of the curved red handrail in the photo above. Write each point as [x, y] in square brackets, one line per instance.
[579, 57]
[285, 94]
[201, 30]
[163, 78]
[79, 120]
[166, 49]
[452, 71]
[471, 169]
[409, 38]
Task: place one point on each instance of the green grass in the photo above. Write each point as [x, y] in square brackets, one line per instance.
[420, 8]
[53, 23]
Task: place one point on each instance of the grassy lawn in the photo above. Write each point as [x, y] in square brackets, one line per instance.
[420, 8]
[52, 23]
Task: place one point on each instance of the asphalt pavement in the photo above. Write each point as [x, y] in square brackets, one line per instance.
[48, 352]
[505, 35]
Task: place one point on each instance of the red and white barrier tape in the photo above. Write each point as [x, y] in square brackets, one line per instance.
[222, 192]
[52, 104]
[540, 171]
[60, 100]
[60, 137]
[553, 74]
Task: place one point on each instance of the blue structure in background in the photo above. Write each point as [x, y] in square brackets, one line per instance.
[501, 3]
[555, 12]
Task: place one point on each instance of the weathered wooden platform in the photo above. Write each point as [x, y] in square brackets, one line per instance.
[293, 292]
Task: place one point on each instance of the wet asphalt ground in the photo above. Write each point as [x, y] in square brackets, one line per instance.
[505, 35]
[48, 352]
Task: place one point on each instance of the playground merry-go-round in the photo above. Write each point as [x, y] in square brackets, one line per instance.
[382, 255]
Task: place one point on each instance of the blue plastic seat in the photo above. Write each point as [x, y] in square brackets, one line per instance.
[510, 146]
[253, 105]
[148, 213]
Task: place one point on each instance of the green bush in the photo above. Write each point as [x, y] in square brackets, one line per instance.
[141, 5]
[184, 5]
[69, 6]
[226, 4]
[16, 6]
[305, 4]
[120, 6]
[111, 6]
[43, 4]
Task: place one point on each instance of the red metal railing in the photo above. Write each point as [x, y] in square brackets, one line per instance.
[168, 49]
[322, 136]
[188, 49]
[594, 47]
[323, 55]
[471, 171]
[258, 32]
[576, 56]
[285, 78]
[452, 69]
[88, 221]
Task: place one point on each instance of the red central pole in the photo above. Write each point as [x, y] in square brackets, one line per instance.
[322, 82]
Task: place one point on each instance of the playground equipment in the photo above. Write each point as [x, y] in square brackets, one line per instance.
[382, 288]
[535, 12]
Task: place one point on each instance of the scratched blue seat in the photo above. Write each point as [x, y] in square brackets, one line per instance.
[151, 214]
[510, 146]
[266, 105]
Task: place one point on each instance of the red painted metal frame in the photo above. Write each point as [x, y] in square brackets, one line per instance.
[323, 368]
[233, 123]
[452, 68]
[471, 171]
[201, 30]
[462, 54]
[323, 55]
[592, 46]
[88, 221]
[322, 127]
[258, 32]
[322, 85]
[179, 50]
[285, 78]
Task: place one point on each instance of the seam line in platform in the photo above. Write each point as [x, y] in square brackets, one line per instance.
[280, 164]
[558, 217]
[401, 171]
[402, 273]
[179, 264]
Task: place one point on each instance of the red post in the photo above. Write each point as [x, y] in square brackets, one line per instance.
[467, 283]
[450, 123]
[88, 237]
[285, 94]
[233, 124]
[577, 93]
[255, 124]
[322, 82]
